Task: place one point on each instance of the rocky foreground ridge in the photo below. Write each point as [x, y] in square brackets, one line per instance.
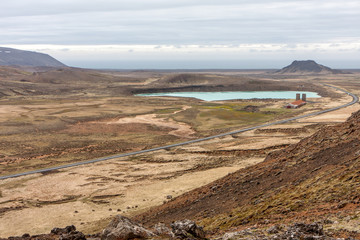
[122, 228]
[309, 190]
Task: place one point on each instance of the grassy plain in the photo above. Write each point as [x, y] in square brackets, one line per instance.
[41, 133]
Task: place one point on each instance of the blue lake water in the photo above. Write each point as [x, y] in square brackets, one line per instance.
[218, 96]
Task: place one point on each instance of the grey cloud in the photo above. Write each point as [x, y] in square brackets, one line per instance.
[177, 22]
[45, 7]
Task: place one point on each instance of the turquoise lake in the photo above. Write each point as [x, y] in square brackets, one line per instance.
[218, 96]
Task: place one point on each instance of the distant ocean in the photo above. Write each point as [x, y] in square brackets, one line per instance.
[177, 64]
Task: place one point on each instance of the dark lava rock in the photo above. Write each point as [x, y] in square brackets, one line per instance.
[187, 229]
[67, 233]
[73, 236]
[274, 229]
[122, 228]
[161, 229]
[67, 229]
[302, 228]
[297, 231]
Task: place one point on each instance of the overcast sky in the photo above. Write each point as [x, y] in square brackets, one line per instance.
[184, 33]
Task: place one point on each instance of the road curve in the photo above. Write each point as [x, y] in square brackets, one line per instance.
[355, 100]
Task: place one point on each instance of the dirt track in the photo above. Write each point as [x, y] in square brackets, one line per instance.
[180, 129]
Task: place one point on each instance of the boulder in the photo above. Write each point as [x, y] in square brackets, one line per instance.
[274, 229]
[244, 234]
[122, 228]
[67, 229]
[68, 233]
[73, 236]
[186, 229]
[305, 231]
[161, 229]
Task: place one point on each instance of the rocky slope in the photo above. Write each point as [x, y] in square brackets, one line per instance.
[315, 180]
[307, 67]
[11, 57]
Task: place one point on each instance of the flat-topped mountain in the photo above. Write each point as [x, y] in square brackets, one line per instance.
[307, 67]
[11, 57]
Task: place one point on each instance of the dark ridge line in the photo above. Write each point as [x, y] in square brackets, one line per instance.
[355, 100]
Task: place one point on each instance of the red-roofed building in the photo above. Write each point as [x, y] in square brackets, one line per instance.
[296, 104]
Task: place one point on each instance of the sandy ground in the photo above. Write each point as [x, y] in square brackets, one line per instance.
[180, 129]
[333, 117]
[10, 109]
[101, 190]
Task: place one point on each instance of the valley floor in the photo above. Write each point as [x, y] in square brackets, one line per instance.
[85, 196]
[89, 196]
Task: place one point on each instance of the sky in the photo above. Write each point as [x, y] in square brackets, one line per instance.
[178, 34]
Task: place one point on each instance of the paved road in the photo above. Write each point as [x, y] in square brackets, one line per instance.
[355, 100]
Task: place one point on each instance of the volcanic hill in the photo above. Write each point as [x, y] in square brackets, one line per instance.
[15, 57]
[307, 67]
[317, 179]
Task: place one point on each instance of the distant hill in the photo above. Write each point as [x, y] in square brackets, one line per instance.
[11, 57]
[307, 67]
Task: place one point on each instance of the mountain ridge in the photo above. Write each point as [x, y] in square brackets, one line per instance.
[307, 67]
[16, 57]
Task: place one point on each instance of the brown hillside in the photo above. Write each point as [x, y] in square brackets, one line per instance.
[191, 82]
[311, 180]
[16, 81]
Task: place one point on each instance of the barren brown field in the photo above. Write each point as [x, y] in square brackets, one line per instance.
[95, 115]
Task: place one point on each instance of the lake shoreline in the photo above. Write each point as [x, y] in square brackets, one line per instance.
[233, 95]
